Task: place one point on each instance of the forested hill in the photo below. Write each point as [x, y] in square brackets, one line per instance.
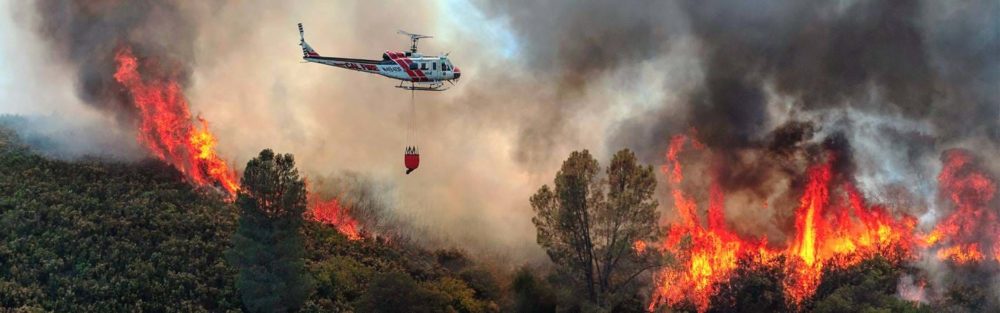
[98, 236]
[94, 236]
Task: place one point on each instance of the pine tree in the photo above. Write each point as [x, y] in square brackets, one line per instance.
[268, 244]
[588, 224]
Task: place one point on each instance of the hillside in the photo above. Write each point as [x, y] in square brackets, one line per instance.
[95, 236]
[98, 236]
[92, 235]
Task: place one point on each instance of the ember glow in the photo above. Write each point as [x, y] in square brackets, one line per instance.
[168, 130]
[639, 246]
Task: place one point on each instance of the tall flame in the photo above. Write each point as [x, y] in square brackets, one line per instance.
[168, 130]
[834, 226]
[713, 250]
[960, 236]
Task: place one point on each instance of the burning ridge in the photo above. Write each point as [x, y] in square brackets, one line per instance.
[834, 226]
[168, 131]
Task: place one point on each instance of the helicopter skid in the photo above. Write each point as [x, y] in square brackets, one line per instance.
[433, 87]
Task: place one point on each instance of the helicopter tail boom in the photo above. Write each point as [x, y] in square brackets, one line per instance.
[307, 51]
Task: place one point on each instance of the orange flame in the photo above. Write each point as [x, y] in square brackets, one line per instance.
[840, 233]
[805, 277]
[834, 226]
[639, 246]
[713, 251]
[330, 212]
[958, 236]
[167, 129]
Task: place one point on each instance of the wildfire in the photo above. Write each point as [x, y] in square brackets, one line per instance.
[957, 237]
[712, 251]
[961, 253]
[639, 246]
[332, 213]
[168, 130]
[913, 291]
[834, 226]
[805, 276]
[832, 230]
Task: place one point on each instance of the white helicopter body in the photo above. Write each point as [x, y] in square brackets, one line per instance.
[426, 73]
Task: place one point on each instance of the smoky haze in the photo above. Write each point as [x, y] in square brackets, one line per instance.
[87, 34]
[765, 85]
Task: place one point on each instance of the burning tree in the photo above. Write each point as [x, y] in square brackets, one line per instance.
[589, 226]
[268, 245]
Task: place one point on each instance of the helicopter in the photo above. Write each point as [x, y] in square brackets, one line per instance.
[424, 73]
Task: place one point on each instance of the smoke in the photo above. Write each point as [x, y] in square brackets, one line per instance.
[60, 137]
[574, 47]
[88, 33]
[903, 79]
[888, 85]
[762, 84]
[240, 70]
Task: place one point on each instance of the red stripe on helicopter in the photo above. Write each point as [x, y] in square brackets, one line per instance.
[418, 75]
[402, 64]
[398, 58]
[419, 72]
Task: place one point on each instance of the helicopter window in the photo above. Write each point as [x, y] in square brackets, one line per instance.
[407, 54]
[434, 66]
[385, 56]
[423, 66]
[413, 66]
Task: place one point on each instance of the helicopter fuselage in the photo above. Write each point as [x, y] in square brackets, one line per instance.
[430, 72]
[410, 67]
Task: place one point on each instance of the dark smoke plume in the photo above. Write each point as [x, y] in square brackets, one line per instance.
[575, 45]
[88, 33]
[875, 57]
[884, 86]
[922, 61]
[887, 85]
